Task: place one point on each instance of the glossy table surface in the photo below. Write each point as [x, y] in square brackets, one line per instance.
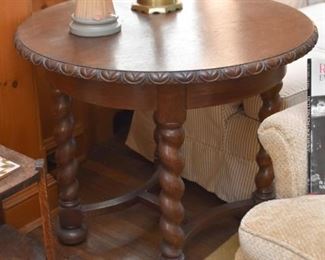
[207, 41]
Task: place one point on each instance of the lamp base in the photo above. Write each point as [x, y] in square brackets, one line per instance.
[93, 28]
[157, 9]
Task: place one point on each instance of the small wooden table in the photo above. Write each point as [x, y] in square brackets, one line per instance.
[210, 53]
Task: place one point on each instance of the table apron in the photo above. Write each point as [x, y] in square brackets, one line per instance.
[144, 97]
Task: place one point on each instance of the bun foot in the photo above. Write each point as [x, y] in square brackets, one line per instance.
[72, 237]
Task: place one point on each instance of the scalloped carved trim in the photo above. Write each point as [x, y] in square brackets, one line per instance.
[164, 78]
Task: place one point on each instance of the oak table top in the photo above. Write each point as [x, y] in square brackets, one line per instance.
[207, 41]
[210, 53]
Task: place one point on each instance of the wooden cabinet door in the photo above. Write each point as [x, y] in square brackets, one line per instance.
[19, 117]
[26, 104]
[41, 4]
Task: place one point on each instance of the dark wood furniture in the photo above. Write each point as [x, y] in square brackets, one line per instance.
[169, 63]
[113, 169]
[14, 245]
[26, 103]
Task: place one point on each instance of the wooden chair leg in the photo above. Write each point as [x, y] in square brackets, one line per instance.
[49, 241]
[272, 103]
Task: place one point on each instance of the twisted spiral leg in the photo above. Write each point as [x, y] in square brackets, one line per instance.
[171, 137]
[71, 230]
[156, 139]
[272, 103]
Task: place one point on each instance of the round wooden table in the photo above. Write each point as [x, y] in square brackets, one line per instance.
[210, 53]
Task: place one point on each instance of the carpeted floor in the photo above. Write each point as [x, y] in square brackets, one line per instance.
[227, 250]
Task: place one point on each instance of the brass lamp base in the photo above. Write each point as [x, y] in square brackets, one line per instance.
[157, 6]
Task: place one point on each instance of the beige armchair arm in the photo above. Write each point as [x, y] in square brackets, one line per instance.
[284, 137]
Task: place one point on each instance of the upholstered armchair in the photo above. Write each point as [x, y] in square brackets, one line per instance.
[292, 227]
[221, 142]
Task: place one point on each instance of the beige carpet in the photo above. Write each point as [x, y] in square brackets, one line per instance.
[227, 250]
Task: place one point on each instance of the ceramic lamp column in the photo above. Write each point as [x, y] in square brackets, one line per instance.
[94, 18]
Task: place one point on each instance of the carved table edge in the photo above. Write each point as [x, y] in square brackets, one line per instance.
[136, 78]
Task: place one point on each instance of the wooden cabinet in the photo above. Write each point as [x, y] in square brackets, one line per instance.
[41, 4]
[26, 114]
[26, 121]
[19, 113]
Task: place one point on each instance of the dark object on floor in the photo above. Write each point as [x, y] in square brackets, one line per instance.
[122, 123]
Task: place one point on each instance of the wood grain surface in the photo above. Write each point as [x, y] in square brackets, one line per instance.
[189, 46]
[19, 121]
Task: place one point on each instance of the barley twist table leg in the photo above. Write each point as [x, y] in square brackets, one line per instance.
[71, 230]
[172, 185]
[156, 139]
[169, 118]
[272, 103]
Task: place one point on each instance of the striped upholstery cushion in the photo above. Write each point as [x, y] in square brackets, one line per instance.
[140, 137]
[238, 170]
[200, 125]
[224, 164]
